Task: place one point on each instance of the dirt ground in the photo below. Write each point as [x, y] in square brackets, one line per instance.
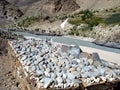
[7, 81]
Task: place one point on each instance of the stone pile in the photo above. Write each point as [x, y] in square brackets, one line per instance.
[54, 67]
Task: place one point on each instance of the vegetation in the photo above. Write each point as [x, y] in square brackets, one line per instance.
[28, 21]
[87, 18]
[86, 14]
[113, 19]
[93, 21]
[74, 31]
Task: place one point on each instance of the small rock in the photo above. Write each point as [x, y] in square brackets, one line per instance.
[76, 81]
[47, 73]
[74, 62]
[59, 64]
[64, 76]
[53, 75]
[47, 82]
[71, 76]
[23, 57]
[75, 51]
[33, 68]
[72, 69]
[76, 73]
[59, 80]
[39, 73]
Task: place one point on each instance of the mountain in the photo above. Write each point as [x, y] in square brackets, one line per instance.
[9, 10]
[98, 4]
[38, 7]
[46, 7]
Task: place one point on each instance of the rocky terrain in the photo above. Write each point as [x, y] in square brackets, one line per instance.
[7, 78]
[53, 65]
[29, 64]
[103, 38]
[8, 12]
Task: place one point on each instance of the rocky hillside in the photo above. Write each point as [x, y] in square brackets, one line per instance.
[48, 7]
[51, 7]
[98, 4]
[8, 10]
[35, 7]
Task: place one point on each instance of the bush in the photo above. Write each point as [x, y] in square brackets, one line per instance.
[28, 21]
[75, 21]
[37, 29]
[113, 19]
[86, 14]
[71, 33]
[77, 33]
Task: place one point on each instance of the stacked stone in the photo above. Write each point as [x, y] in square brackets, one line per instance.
[53, 67]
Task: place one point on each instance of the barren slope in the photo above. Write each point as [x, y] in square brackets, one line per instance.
[98, 4]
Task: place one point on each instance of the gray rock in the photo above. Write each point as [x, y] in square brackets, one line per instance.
[48, 69]
[78, 69]
[28, 62]
[64, 75]
[110, 72]
[71, 76]
[74, 62]
[47, 73]
[93, 74]
[59, 80]
[33, 68]
[96, 59]
[76, 73]
[59, 74]
[68, 81]
[39, 72]
[53, 75]
[76, 81]
[84, 74]
[75, 51]
[23, 57]
[47, 81]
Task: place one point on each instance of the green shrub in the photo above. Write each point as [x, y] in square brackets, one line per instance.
[77, 33]
[28, 21]
[75, 21]
[94, 21]
[113, 19]
[86, 14]
[71, 33]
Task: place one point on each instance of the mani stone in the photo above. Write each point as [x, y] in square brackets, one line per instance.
[75, 51]
[39, 73]
[74, 62]
[96, 59]
[23, 57]
[47, 81]
[72, 69]
[71, 76]
[59, 79]
[33, 68]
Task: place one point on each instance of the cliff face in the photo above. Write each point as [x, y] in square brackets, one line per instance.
[64, 5]
[7, 10]
[48, 7]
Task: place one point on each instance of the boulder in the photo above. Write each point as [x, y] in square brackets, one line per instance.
[75, 51]
[96, 59]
